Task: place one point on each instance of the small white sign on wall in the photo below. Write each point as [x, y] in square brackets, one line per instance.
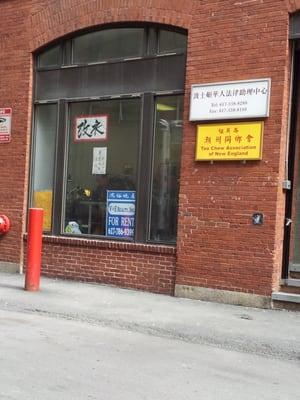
[230, 100]
[5, 125]
[99, 160]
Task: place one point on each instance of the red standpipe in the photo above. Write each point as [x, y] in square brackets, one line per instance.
[4, 224]
[34, 249]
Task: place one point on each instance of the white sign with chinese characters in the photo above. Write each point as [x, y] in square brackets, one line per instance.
[230, 100]
[90, 128]
[99, 160]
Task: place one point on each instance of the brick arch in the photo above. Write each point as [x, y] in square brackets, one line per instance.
[63, 17]
[293, 5]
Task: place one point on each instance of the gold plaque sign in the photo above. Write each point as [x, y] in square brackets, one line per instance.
[229, 142]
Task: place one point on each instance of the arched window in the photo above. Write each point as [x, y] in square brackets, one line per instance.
[107, 133]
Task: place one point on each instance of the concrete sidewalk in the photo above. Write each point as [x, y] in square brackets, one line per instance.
[264, 332]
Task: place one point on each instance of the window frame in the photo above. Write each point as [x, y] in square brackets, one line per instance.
[146, 138]
[108, 59]
[33, 152]
[151, 38]
[60, 47]
[63, 180]
[150, 196]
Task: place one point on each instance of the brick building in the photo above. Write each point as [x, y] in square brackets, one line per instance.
[102, 139]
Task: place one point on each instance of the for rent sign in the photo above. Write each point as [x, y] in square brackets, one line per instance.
[120, 213]
[230, 100]
[5, 125]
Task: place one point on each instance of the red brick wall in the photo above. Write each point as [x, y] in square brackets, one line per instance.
[61, 17]
[218, 246]
[33, 24]
[15, 84]
[138, 266]
[292, 5]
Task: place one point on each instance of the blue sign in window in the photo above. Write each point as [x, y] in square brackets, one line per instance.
[120, 213]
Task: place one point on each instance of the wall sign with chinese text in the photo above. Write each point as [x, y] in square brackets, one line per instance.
[90, 128]
[230, 100]
[225, 142]
[5, 125]
[99, 160]
[120, 213]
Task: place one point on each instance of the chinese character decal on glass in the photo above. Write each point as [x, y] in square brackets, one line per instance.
[90, 128]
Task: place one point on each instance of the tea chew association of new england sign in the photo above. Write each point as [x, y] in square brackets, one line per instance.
[230, 101]
[229, 142]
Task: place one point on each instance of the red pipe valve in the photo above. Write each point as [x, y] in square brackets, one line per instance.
[4, 224]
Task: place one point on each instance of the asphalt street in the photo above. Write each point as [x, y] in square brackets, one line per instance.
[82, 341]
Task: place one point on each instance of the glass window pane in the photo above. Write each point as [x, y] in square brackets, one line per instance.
[103, 156]
[50, 57]
[43, 160]
[108, 44]
[171, 41]
[166, 166]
